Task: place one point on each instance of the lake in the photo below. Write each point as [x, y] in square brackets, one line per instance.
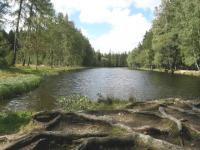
[113, 82]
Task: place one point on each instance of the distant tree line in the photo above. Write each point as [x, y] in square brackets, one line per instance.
[111, 59]
[174, 40]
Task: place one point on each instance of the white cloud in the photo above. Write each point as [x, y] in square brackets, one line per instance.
[126, 29]
[147, 4]
[84, 32]
[123, 36]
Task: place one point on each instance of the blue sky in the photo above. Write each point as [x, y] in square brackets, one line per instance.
[116, 25]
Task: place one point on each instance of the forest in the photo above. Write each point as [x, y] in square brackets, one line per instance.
[173, 42]
[40, 36]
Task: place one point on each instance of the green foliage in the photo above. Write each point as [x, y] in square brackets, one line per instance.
[143, 56]
[45, 39]
[55, 42]
[48, 38]
[173, 42]
[76, 103]
[9, 58]
[111, 60]
[3, 63]
[12, 122]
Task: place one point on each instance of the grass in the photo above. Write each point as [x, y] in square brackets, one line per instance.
[18, 80]
[188, 72]
[12, 86]
[81, 103]
[13, 122]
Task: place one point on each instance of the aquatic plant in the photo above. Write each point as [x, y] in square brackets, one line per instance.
[79, 103]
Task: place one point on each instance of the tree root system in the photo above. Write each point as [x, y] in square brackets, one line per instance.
[156, 125]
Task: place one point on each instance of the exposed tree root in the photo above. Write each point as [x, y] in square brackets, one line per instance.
[50, 136]
[152, 125]
[189, 112]
[167, 116]
[46, 117]
[151, 130]
[182, 130]
[128, 142]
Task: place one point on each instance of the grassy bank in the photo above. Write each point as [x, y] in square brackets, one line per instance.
[13, 122]
[188, 72]
[181, 72]
[18, 80]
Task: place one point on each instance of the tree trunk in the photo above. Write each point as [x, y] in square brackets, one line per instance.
[29, 61]
[196, 62]
[197, 65]
[52, 59]
[24, 62]
[36, 60]
[30, 29]
[195, 57]
[16, 32]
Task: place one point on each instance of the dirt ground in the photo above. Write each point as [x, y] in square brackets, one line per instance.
[154, 125]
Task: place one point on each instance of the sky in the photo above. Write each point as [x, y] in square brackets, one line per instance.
[110, 25]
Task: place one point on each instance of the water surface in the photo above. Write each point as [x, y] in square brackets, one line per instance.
[115, 82]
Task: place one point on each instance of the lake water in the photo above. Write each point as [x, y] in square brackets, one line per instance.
[114, 82]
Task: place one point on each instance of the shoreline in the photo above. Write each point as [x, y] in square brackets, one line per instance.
[19, 80]
[178, 72]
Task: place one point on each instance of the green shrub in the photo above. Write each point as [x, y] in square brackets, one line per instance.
[9, 58]
[3, 63]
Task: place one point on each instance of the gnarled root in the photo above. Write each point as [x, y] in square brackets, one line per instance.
[128, 142]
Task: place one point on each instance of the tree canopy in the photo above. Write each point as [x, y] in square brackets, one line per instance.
[41, 36]
[174, 39]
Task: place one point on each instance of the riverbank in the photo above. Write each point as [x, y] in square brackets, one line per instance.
[181, 72]
[157, 125]
[18, 80]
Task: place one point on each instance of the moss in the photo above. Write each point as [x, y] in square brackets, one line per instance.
[13, 122]
[118, 131]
